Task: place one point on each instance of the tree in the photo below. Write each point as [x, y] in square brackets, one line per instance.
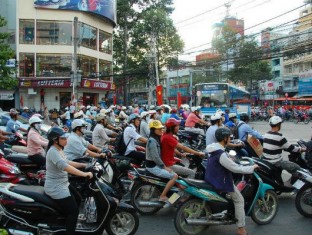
[7, 79]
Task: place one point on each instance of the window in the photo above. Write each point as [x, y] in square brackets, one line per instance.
[105, 42]
[53, 65]
[26, 31]
[105, 69]
[88, 36]
[87, 65]
[26, 64]
[54, 33]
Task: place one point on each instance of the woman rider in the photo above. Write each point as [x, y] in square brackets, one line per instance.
[57, 169]
[153, 161]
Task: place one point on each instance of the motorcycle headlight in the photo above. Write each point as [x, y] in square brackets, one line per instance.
[14, 170]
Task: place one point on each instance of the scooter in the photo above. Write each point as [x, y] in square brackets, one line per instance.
[28, 210]
[206, 206]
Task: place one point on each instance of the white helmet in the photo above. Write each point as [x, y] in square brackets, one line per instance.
[275, 120]
[78, 114]
[143, 114]
[35, 119]
[108, 110]
[215, 117]
[193, 109]
[232, 115]
[88, 106]
[103, 111]
[78, 123]
[123, 107]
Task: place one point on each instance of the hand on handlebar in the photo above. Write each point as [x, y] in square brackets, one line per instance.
[89, 175]
[303, 149]
[255, 166]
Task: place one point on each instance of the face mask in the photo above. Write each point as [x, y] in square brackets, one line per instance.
[83, 130]
[37, 126]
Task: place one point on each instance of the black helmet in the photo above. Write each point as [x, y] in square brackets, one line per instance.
[56, 132]
[222, 133]
[244, 117]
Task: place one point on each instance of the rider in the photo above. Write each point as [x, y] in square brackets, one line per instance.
[144, 129]
[216, 122]
[170, 146]
[219, 174]
[77, 146]
[100, 139]
[35, 142]
[153, 162]
[26, 113]
[274, 143]
[56, 182]
[192, 120]
[130, 136]
[12, 126]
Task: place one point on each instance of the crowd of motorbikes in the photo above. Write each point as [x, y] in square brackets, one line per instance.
[120, 189]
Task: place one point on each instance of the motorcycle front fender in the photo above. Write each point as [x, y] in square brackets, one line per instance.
[263, 188]
[125, 207]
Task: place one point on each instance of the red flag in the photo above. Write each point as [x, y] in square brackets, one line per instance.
[114, 99]
[21, 101]
[159, 95]
[179, 99]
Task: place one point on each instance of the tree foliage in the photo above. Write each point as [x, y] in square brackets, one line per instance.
[244, 54]
[138, 20]
[7, 79]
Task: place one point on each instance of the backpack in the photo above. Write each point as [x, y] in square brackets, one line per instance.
[120, 146]
[235, 130]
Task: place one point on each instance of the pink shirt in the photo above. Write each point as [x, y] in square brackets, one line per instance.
[35, 143]
[191, 120]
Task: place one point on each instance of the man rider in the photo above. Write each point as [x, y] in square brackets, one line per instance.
[12, 125]
[219, 174]
[274, 143]
[100, 139]
[192, 120]
[77, 146]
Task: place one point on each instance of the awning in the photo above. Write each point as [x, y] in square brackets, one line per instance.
[6, 95]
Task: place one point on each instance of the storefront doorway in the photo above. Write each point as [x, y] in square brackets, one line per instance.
[90, 98]
[65, 98]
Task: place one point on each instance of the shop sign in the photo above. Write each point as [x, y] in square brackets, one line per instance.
[46, 83]
[6, 95]
[95, 84]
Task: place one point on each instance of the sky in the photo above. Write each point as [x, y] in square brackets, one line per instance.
[197, 32]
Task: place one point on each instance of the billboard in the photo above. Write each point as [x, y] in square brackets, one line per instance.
[106, 8]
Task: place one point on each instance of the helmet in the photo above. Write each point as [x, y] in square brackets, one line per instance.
[174, 110]
[193, 109]
[244, 117]
[123, 107]
[103, 111]
[13, 112]
[220, 112]
[275, 120]
[78, 123]
[88, 106]
[108, 110]
[82, 107]
[37, 115]
[215, 117]
[133, 116]
[143, 114]
[155, 124]
[78, 114]
[25, 108]
[152, 107]
[151, 111]
[232, 115]
[34, 119]
[222, 133]
[56, 132]
[158, 108]
[198, 108]
[100, 117]
[172, 122]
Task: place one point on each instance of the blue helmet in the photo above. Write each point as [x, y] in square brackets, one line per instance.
[133, 116]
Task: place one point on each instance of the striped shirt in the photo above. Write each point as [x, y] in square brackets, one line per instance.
[273, 145]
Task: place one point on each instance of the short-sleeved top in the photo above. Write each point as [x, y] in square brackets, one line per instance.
[168, 145]
[130, 134]
[211, 135]
[99, 136]
[76, 146]
[12, 126]
[165, 117]
[56, 183]
[191, 120]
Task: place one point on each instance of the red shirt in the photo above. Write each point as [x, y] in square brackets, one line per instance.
[168, 145]
[191, 120]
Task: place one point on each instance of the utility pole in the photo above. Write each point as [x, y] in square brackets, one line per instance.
[74, 65]
[153, 71]
[126, 84]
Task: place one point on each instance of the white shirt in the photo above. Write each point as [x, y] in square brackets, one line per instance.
[130, 134]
[122, 114]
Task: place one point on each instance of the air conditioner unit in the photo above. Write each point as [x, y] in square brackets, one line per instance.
[31, 91]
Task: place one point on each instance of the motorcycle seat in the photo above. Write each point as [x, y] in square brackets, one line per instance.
[146, 173]
[200, 184]
[37, 193]
[270, 165]
[19, 160]
[121, 157]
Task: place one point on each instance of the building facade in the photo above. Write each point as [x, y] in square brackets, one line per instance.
[43, 35]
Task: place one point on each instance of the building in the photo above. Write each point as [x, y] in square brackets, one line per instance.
[44, 35]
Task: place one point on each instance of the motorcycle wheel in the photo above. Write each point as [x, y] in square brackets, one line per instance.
[145, 192]
[123, 222]
[195, 209]
[306, 121]
[304, 201]
[259, 214]
[296, 121]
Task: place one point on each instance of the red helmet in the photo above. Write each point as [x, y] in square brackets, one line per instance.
[173, 110]
[172, 122]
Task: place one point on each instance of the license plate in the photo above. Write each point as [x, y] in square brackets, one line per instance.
[298, 184]
[131, 185]
[174, 197]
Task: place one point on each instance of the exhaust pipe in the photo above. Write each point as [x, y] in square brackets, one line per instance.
[19, 232]
[207, 222]
[151, 203]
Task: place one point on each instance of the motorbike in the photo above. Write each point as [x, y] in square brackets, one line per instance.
[16, 139]
[304, 117]
[192, 140]
[272, 175]
[206, 206]
[28, 210]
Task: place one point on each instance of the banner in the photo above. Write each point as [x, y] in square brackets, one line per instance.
[96, 84]
[45, 83]
[179, 99]
[159, 95]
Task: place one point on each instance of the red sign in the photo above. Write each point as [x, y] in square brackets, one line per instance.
[45, 83]
[159, 95]
[179, 99]
[96, 84]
